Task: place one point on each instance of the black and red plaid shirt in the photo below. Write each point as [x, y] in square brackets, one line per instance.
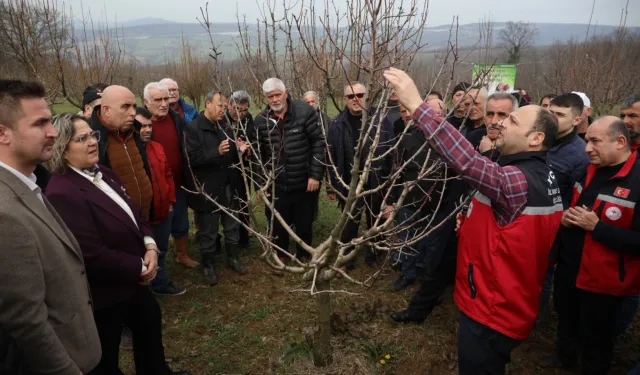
[505, 186]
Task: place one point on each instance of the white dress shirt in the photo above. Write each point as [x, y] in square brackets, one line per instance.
[108, 190]
[30, 181]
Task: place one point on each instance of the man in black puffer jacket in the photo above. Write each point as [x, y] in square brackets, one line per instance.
[288, 141]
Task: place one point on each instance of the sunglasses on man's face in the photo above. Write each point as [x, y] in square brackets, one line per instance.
[353, 96]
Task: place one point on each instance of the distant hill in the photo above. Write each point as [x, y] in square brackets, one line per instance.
[155, 40]
[145, 21]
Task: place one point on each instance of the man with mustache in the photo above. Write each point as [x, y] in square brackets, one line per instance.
[498, 107]
[120, 147]
[599, 241]
[168, 130]
[630, 114]
[288, 142]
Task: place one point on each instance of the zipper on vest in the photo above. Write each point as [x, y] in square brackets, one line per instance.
[472, 283]
[623, 272]
[135, 176]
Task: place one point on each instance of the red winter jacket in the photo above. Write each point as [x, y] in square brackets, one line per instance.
[164, 191]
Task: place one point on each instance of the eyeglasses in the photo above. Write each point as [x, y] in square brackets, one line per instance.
[84, 137]
[353, 96]
[174, 90]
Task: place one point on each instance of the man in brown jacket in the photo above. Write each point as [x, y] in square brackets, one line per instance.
[46, 316]
[121, 148]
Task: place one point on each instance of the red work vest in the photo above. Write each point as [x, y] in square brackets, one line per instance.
[500, 270]
[604, 270]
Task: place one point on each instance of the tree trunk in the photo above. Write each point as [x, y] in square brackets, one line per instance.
[322, 355]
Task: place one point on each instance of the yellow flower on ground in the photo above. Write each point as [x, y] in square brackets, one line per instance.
[388, 356]
[382, 361]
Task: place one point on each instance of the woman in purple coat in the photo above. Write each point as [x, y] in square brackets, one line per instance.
[117, 245]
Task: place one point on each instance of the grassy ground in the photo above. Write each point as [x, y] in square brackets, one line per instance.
[256, 324]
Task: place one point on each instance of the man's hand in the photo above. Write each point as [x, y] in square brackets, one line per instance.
[582, 217]
[243, 146]
[223, 148]
[151, 262]
[565, 221]
[459, 219]
[388, 209]
[313, 184]
[406, 89]
[332, 197]
[486, 144]
[259, 195]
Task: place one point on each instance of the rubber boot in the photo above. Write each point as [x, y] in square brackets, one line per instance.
[209, 269]
[182, 249]
[232, 259]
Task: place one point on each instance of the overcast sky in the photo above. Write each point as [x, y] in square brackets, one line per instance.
[606, 12]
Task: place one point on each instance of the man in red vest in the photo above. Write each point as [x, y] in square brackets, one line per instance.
[511, 223]
[599, 256]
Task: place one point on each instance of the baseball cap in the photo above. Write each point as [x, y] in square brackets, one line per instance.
[90, 94]
[584, 97]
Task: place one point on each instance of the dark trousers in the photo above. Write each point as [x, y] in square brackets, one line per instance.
[440, 269]
[180, 215]
[586, 323]
[141, 313]
[482, 350]
[370, 206]
[161, 233]
[297, 211]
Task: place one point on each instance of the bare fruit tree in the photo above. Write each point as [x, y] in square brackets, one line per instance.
[516, 37]
[330, 50]
[39, 41]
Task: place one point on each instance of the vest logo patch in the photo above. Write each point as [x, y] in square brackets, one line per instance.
[613, 213]
[622, 192]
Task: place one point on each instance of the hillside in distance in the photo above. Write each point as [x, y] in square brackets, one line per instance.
[153, 42]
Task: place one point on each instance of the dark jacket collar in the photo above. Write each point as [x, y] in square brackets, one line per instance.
[515, 158]
[564, 140]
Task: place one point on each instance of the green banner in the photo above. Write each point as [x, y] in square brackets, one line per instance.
[495, 77]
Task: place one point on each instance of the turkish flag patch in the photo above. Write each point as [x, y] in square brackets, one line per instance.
[621, 192]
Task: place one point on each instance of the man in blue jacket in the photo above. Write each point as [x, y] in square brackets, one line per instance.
[568, 161]
[177, 103]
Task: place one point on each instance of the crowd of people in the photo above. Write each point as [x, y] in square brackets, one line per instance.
[90, 200]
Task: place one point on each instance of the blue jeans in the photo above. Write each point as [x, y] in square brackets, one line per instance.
[161, 232]
[411, 256]
[180, 215]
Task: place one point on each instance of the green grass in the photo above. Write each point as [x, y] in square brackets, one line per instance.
[257, 324]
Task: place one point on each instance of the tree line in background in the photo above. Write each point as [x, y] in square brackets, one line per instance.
[40, 40]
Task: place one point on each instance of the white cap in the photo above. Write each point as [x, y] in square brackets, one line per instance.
[584, 97]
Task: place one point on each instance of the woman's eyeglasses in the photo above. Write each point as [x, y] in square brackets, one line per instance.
[83, 138]
[353, 96]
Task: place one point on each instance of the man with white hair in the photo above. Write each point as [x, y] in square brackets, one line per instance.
[177, 103]
[168, 130]
[586, 114]
[287, 135]
[311, 98]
